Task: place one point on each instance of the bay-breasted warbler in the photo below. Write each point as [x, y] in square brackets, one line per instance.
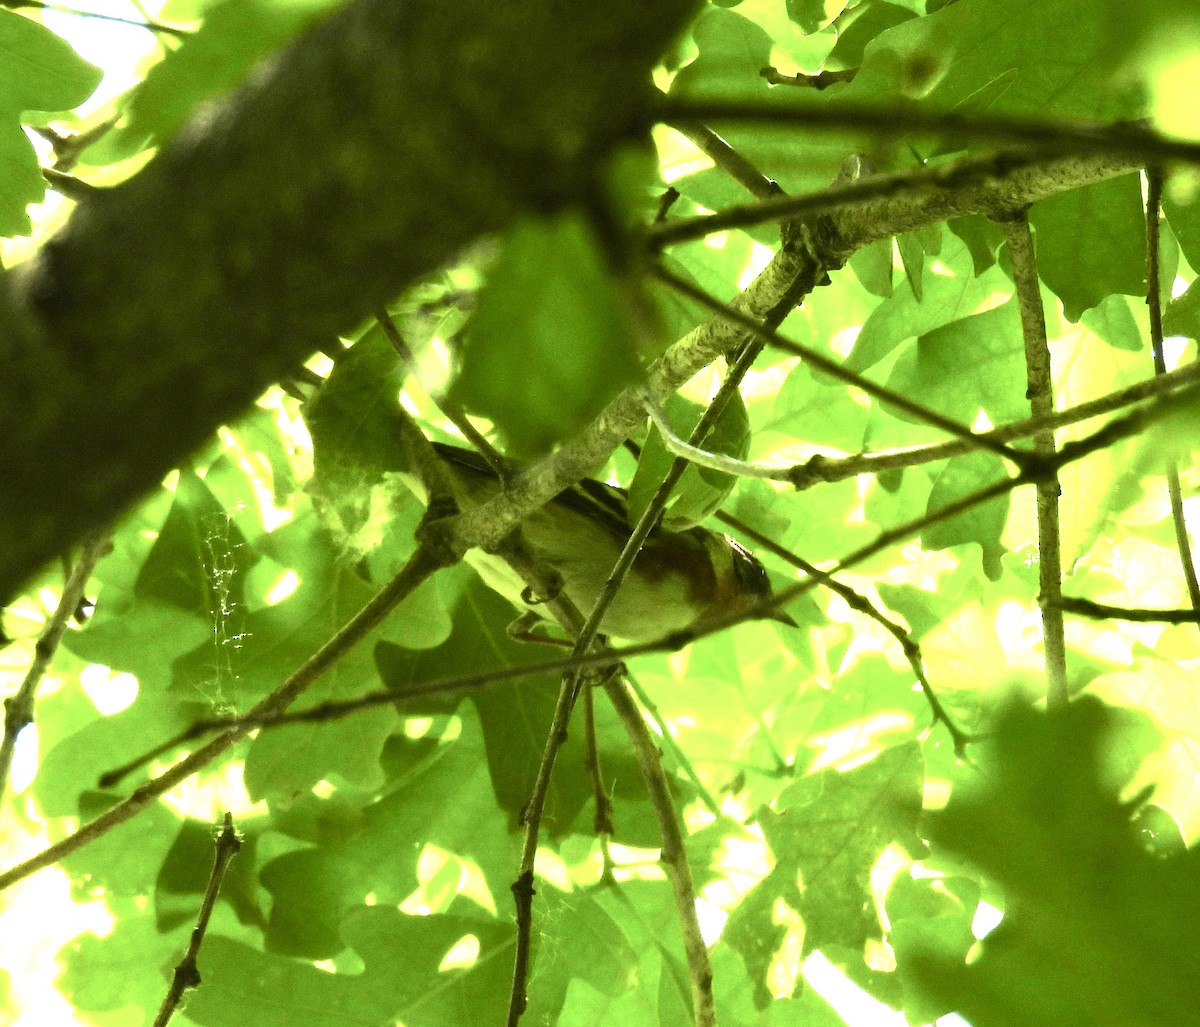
[679, 579]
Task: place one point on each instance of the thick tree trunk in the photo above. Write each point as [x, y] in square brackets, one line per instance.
[367, 154]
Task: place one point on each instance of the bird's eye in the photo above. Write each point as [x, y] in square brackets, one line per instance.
[751, 574]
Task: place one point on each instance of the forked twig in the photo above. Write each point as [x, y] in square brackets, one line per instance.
[18, 708]
[187, 974]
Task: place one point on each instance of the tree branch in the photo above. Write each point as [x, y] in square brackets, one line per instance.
[186, 974]
[674, 857]
[1187, 560]
[1130, 141]
[168, 303]
[421, 565]
[1040, 392]
[729, 160]
[993, 172]
[820, 468]
[18, 708]
[1103, 611]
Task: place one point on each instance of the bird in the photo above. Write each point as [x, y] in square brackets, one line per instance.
[681, 580]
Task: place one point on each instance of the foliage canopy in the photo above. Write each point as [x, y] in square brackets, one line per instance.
[307, 226]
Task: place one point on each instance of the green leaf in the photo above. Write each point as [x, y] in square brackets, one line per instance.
[930, 915]
[38, 72]
[733, 50]
[983, 238]
[952, 293]
[591, 953]
[234, 36]
[276, 640]
[1091, 242]
[982, 524]
[70, 770]
[126, 859]
[199, 561]
[974, 363]
[1114, 322]
[826, 832]
[1097, 930]
[550, 303]
[122, 969]
[187, 868]
[1005, 56]
[1183, 214]
[810, 15]
[873, 266]
[809, 406]
[714, 189]
[701, 490]
[316, 887]
[355, 422]
[861, 24]
[1182, 315]
[515, 717]
[245, 985]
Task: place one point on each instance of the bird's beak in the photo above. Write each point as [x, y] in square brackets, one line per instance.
[782, 618]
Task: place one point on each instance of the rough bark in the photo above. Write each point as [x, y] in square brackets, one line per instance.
[368, 153]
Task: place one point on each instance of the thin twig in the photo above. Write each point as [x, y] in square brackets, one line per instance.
[71, 187]
[674, 857]
[729, 160]
[967, 172]
[1065, 137]
[836, 370]
[150, 26]
[69, 145]
[1187, 559]
[424, 562]
[602, 822]
[1040, 391]
[187, 974]
[667, 740]
[1140, 615]
[817, 80]
[1113, 432]
[823, 469]
[572, 620]
[531, 816]
[857, 601]
[702, 457]
[454, 416]
[19, 707]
